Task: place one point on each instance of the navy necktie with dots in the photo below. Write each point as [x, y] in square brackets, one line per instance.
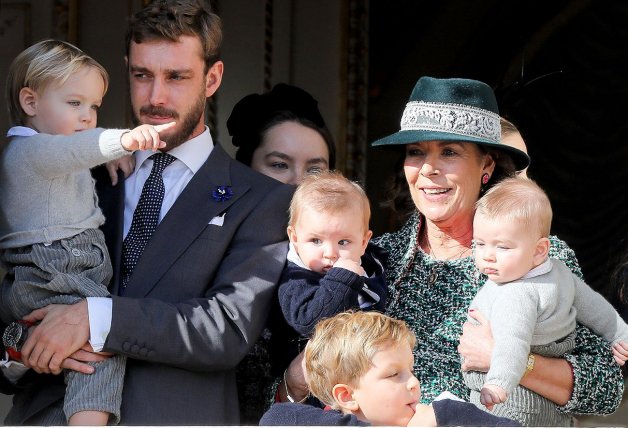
[145, 216]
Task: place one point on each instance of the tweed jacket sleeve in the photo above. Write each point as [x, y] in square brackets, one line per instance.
[598, 382]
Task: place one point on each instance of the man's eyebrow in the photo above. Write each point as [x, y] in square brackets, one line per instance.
[136, 69]
[140, 69]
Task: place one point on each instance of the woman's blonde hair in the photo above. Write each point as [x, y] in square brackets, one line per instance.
[342, 348]
[507, 128]
[42, 64]
[330, 192]
[518, 199]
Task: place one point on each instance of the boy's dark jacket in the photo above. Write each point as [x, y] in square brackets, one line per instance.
[448, 413]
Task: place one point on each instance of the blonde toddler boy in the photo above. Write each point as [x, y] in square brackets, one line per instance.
[360, 364]
[50, 244]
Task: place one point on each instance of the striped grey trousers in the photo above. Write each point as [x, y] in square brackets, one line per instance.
[523, 405]
[65, 272]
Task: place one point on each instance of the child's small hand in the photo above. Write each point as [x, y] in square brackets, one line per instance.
[620, 352]
[145, 137]
[491, 395]
[423, 417]
[125, 163]
[351, 265]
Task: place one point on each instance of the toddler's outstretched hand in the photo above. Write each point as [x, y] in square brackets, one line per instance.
[620, 352]
[491, 395]
[145, 137]
[125, 163]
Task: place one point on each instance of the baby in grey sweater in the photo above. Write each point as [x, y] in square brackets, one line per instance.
[50, 244]
[531, 301]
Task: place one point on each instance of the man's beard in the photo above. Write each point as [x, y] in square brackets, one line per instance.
[185, 127]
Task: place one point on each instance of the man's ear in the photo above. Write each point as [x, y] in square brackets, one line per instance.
[28, 101]
[541, 250]
[343, 395]
[213, 78]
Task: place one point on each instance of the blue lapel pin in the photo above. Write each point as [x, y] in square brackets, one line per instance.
[222, 193]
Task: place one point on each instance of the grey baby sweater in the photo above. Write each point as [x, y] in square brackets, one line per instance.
[47, 192]
[538, 311]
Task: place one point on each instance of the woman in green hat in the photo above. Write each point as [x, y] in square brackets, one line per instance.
[451, 154]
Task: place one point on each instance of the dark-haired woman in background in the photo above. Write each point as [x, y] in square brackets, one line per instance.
[281, 134]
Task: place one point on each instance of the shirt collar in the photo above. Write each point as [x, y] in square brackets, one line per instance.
[541, 269]
[293, 257]
[21, 131]
[193, 153]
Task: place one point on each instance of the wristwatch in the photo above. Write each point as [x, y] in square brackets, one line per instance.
[13, 338]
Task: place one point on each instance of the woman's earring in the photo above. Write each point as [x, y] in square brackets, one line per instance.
[484, 181]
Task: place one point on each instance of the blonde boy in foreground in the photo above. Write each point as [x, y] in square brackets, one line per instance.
[360, 364]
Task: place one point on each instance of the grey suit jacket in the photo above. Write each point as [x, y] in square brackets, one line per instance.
[196, 301]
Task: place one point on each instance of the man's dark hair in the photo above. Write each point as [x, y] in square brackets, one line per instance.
[171, 19]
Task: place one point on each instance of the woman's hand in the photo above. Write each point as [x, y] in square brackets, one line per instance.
[294, 381]
[620, 352]
[476, 343]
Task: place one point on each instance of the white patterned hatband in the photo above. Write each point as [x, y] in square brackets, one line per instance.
[456, 119]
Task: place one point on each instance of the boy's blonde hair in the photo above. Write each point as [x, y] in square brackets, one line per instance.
[342, 348]
[521, 200]
[329, 192]
[42, 64]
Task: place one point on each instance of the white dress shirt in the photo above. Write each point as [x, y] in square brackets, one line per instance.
[190, 155]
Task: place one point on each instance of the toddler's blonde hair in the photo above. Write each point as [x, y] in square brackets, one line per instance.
[342, 348]
[45, 63]
[520, 200]
[330, 192]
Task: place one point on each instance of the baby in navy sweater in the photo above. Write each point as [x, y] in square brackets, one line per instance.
[331, 266]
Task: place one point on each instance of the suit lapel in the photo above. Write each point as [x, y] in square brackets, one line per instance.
[187, 218]
[111, 202]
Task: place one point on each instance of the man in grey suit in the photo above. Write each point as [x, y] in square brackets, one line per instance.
[197, 298]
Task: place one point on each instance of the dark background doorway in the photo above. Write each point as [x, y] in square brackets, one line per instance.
[560, 70]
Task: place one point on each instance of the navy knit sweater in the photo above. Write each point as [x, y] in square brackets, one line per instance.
[305, 297]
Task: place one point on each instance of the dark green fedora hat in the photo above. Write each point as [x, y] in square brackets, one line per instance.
[452, 110]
